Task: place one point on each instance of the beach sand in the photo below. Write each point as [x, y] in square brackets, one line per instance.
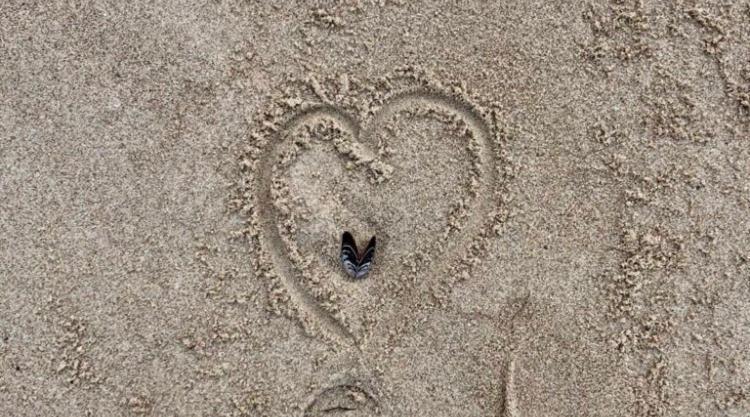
[560, 193]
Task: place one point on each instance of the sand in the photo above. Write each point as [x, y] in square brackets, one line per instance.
[560, 193]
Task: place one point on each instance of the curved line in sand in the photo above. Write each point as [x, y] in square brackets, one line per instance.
[270, 233]
[398, 102]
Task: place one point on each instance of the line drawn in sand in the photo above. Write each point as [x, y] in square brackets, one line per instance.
[344, 399]
[484, 211]
[510, 407]
[510, 404]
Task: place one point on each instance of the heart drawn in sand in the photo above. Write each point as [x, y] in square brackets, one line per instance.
[420, 170]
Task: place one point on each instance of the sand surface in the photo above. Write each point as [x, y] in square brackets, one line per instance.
[560, 192]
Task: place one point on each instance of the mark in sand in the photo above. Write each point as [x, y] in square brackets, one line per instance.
[296, 278]
[347, 399]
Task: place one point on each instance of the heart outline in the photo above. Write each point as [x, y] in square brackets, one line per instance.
[488, 201]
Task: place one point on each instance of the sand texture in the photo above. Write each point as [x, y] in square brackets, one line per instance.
[560, 193]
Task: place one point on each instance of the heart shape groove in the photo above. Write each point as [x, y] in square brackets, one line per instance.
[461, 228]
